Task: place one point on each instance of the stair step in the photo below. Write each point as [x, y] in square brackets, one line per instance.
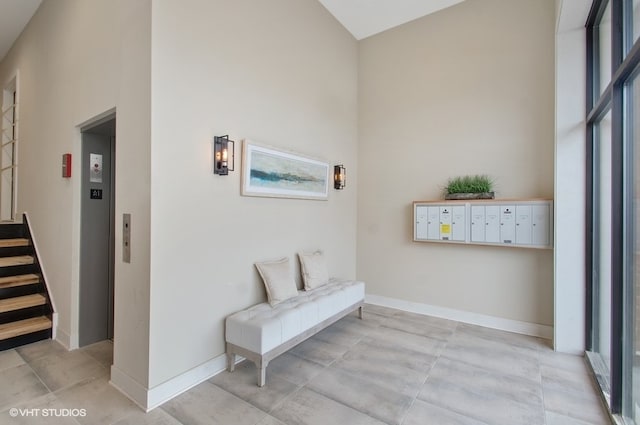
[7, 243]
[19, 260]
[18, 280]
[23, 327]
[17, 303]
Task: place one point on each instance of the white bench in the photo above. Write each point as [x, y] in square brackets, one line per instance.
[262, 332]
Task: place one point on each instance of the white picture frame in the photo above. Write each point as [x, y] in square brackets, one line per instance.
[271, 172]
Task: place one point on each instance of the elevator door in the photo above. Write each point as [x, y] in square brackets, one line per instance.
[97, 233]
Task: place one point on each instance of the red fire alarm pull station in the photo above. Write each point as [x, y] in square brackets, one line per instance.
[66, 165]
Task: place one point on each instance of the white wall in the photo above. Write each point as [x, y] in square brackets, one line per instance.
[133, 176]
[569, 311]
[282, 73]
[76, 60]
[467, 90]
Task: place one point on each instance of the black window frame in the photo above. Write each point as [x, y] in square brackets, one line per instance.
[625, 62]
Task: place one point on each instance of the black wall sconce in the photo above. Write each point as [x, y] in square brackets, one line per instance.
[339, 177]
[222, 155]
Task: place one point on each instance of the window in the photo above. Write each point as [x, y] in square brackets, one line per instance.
[604, 49]
[601, 280]
[613, 207]
[635, 22]
[8, 152]
[631, 330]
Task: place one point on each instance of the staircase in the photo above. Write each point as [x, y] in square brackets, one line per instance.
[25, 307]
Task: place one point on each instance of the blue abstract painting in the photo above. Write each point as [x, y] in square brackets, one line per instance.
[270, 172]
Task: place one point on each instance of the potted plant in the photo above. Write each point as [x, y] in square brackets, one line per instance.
[469, 187]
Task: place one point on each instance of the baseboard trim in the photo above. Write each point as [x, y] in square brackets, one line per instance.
[61, 336]
[130, 387]
[54, 325]
[175, 386]
[516, 326]
[149, 399]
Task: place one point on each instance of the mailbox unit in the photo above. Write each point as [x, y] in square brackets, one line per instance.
[522, 223]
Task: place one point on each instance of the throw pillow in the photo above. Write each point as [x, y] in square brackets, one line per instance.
[314, 269]
[277, 280]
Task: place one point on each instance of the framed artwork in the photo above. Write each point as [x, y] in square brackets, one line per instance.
[274, 173]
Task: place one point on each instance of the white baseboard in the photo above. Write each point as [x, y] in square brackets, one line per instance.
[54, 325]
[149, 399]
[61, 336]
[185, 381]
[516, 326]
[130, 387]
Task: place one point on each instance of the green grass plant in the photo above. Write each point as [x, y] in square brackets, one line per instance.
[469, 184]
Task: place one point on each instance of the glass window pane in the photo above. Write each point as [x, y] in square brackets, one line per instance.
[604, 49]
[602, 251]
[632, 316]
[8, 155]
[635, 19]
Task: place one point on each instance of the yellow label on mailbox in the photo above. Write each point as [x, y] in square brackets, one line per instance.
[445, 228]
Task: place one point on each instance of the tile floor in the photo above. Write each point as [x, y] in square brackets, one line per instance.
[392, 367]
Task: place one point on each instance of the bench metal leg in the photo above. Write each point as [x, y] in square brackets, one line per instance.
[231, 361]
[360, 310]
[261, 365]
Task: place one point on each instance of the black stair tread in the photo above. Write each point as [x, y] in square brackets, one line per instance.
[23, 327]
[6, 243]
[25, 301]
[18, 260]
[18, 280]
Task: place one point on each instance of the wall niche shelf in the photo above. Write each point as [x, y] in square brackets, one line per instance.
[522, 223]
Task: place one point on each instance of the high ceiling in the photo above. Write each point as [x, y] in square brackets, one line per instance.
[364, 18]
[14, 16]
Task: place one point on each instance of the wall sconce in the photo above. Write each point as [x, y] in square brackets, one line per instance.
[339, 177]
[221, 155]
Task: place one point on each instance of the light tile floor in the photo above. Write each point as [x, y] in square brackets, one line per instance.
[392, 367]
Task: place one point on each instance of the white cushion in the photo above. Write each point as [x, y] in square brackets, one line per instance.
[277, 280]
[262, 328]
[314, 269]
